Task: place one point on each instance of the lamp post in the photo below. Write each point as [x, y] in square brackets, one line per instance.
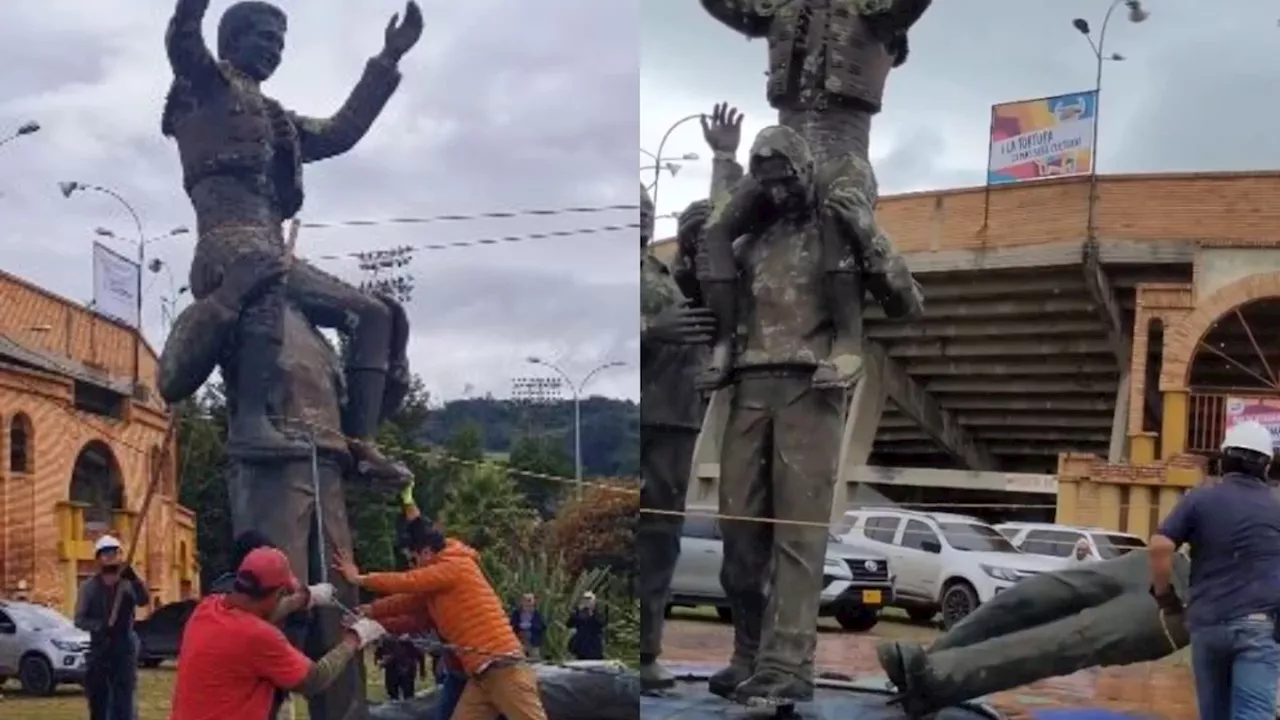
[26, 128]
[658, 155]
[576, 389]
[71, 187]
[1136, 14]
[155, 266]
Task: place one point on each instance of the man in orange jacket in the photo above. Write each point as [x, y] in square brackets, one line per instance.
[448, 590]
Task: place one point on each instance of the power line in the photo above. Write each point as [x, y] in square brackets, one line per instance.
[476, 242]
[497, 215]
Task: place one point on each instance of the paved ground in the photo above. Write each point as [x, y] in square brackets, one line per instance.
[1156, 690]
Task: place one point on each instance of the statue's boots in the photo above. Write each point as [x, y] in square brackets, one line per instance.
[843, 288]
[252, 434]
[653, 676]
[721, 299]
[724, 682]
[365, 390]
[774, 687]
[906, 667]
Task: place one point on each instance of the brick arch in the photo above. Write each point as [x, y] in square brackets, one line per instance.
[1183, 339]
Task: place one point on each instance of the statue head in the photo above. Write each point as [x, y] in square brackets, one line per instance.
[783, 165]
[646, 216]
[251, 38]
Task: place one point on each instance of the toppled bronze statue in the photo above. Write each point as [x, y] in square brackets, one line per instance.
[242, 155]
[828, 63]
[1090, 615]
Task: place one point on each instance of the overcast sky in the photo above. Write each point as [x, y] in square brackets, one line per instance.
[1197, 90]
[504, 105]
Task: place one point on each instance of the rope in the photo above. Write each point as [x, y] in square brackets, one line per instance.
[497, 215]
[505, 239]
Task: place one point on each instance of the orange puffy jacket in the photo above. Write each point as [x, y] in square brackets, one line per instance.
[451, 593]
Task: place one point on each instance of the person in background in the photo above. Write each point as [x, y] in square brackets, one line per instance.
[111, 669]
[402, 662]
[588, 625]
[234, 656]
[1081, 552]
[1233, 528]
[527, 621]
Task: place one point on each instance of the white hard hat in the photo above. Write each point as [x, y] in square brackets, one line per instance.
[106, 542]
[1249, 435]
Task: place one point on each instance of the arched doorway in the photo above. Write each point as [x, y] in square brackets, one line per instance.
[1234, 371]
[97, 482]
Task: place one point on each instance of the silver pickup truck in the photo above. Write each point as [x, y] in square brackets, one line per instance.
[857, 581]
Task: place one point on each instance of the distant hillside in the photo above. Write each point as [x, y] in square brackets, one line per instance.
[610, 429]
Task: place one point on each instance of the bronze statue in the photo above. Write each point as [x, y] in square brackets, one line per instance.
[1091, 615]
[828, 62]
[301, 419]
[242, 155]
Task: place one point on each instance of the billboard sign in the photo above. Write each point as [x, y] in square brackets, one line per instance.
[1043, 138]
[1264, 411]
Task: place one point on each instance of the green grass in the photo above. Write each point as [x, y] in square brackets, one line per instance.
[155, 689]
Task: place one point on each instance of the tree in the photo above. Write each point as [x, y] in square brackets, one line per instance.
[539, 456]
[202, 484]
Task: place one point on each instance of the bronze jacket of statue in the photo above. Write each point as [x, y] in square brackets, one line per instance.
[825, 51]
[225, 125]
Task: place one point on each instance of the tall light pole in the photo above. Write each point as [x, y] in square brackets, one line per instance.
[657, 171]
[1136, 14]
[69, 188]
[154, 266]
[26, 128]
[576, 389]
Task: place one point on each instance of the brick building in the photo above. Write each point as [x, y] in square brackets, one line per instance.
[75, 447]
[1086, 367]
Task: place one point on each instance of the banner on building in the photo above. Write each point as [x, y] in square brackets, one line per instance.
[1264, 411]
[1043, 138]
[115, 285]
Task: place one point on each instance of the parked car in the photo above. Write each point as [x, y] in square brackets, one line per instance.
[1060, 540]
[943, 562]
[160, 634]
[857, 581]
[40, 647]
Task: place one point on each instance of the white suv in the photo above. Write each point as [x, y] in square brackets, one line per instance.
[943, 562]
[1060, 540]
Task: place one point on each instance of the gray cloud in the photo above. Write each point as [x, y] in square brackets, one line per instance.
[504, 105]
[1195, 92]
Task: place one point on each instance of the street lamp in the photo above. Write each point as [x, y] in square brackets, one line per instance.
[71, 187]
[1136, 14]
[26, 128]
[657, 169]
[168, 303]
[576, 389]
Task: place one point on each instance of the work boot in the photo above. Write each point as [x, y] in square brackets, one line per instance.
[251, 433]
[379, 469]
[772, 687]
[653, 676]
[721, 297]
[890, 657]
[726, 681]
[252, 436]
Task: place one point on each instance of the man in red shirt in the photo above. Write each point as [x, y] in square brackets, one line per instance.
[234, 657]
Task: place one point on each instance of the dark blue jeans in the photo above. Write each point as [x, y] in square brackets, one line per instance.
[1237, 665]
[451, 687]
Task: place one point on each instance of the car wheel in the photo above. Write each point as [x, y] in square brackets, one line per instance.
[724, 614]
[666, 611]
[922, 616]
[958, 600]
[36, 675]
[857, 619]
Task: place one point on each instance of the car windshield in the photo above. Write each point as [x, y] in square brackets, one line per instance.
[1113, 546]
[972, 537]
[43, 618]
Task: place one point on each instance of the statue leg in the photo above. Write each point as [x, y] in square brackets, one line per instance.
[666, 456]
[748, 546]
[718, 277]
[842, 275]
[1124, 630]
[805, 444]
[367, 322]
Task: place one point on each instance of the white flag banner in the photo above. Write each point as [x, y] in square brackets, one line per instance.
[115, 285]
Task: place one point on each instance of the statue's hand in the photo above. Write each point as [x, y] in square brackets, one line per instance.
[723, 128]
[248, 277]
[403, 35]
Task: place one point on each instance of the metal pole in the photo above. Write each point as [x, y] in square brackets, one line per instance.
[577, 437]
[1092, 229]
[319, 508]
[657, 170]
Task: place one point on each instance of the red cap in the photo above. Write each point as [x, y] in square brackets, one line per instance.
[266, 569]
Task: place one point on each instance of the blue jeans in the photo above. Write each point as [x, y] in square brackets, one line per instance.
[451, 687]
[1237, 665]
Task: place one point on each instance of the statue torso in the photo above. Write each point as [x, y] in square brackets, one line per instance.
[667, 393]
[785, 320]
[824, 53]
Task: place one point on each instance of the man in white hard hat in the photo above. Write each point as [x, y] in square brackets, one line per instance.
[1233, 528]
[111, 670]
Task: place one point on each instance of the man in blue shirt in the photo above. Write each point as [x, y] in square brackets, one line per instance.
[1233, 528]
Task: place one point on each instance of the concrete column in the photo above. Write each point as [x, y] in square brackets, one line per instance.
[861, 422]
[1119, 450]
[1173, 431]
